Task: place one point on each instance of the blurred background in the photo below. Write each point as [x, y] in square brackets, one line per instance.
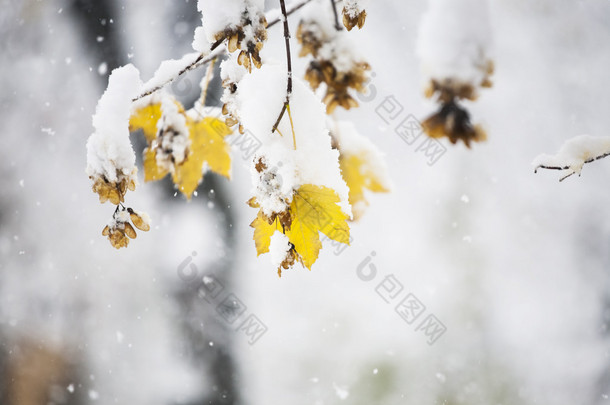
[511, 267]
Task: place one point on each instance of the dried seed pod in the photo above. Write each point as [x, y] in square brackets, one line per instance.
[138, 220]
[129, 231]
[352, 19]
[106, 231]
[453, 121]
[233, 42]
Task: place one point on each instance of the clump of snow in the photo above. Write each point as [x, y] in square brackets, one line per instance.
[278, 248]
[173, 141]
[574, 153]
[337, 45]
[454, 41]
[354, 7]
[351, 142]
[109, 150]
[200, 41]
[259, 98]
[218, 15]
[170, 69]
[231, 74]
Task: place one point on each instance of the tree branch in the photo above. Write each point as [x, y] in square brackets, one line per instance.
[289, 65]
[215, 51]
[593, 159]
[337, 25]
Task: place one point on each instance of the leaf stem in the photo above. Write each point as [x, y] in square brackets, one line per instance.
[208, 77]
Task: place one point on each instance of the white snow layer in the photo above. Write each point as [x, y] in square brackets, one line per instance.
[109, 149]
[260, 97]
[454, 41]
[351, 142]
[278, 247]
[354, 7]
[169, 69]
[220, 14]
[575, 152]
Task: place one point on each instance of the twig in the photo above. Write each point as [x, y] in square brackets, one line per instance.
[205, 58]
[337, 25]
[593, 159]
[289, 67]
[208, 77]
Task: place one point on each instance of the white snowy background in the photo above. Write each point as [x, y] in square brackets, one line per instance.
[514, 264]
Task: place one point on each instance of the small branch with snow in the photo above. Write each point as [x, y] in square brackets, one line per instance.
[154, 85]
[286, 106]
[574, 154]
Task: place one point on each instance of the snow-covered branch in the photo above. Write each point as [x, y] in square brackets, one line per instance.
[574, 154]
[170, 72]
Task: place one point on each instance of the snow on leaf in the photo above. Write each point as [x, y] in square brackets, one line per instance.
[359, 176]
[161, 124]
[313, 209]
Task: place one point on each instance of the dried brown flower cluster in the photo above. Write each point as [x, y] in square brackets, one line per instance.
[248, 37]
[231, 120]
[353, 18]
[119, 231]
[452, 120]
[324, 69]
[170, 146]
[113, 191]
[450, 89]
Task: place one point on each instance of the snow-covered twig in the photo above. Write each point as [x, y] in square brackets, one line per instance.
[289, 67]
[215, 51]
[574, 154]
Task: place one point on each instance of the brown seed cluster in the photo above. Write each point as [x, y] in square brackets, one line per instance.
[452, 120]
[450, 89]
[285, 219]
[165, 146]
[352, 19]
[291, 258]
[120, 230]
[323, 69]
[248, 37]
[231, 120]
[270, 182]
[113, 191]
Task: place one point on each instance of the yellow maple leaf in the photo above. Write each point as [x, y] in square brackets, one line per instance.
[145, 118]
[152, 171]
[313, 209]
[359, 176]
[262, 233]
[207, 145]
